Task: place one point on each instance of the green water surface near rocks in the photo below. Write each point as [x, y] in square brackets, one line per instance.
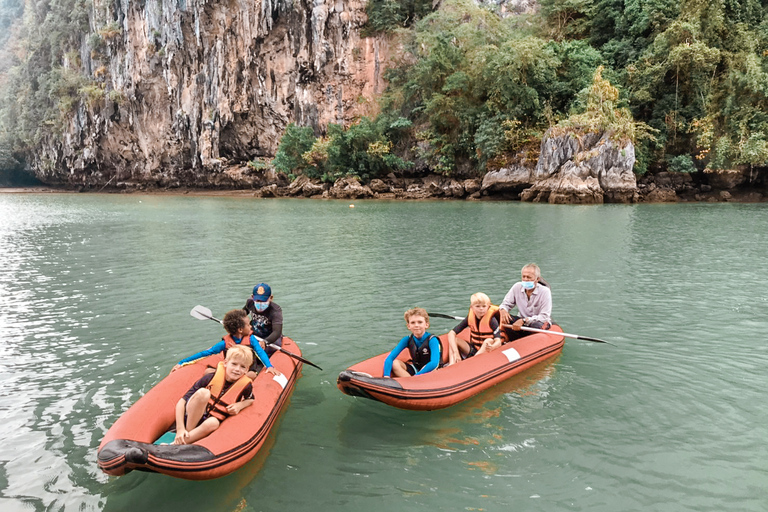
[95, 294]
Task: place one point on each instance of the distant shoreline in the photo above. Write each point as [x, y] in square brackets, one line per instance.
[148, 192]
[745, 196]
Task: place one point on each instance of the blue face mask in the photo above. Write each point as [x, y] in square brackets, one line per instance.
[528, 285]
[261, 306]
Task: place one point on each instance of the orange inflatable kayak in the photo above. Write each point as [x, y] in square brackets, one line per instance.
[449, 385]
[128, 444]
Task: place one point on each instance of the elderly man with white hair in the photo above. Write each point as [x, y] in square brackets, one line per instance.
[534, 304]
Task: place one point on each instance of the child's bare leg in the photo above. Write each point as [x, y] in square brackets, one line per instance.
[485, 347]
[453, 349]
[196, 407]
[202, 430]
[463, 347]
[399, 369]
[489, 345]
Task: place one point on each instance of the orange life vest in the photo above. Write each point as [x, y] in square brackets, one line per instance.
[480, 330]
[230, 342]
[217, 404]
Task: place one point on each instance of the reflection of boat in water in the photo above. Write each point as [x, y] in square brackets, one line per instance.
[497, 409]
[128, 444]
[450, 385]
[532, 385]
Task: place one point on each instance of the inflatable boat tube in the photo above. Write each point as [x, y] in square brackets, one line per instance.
[450, 385]
[129, 443]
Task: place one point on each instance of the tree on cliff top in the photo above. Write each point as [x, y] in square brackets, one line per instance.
[604, 115]
[390, 15]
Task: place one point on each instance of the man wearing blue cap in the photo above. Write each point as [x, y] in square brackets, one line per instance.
[266, 316]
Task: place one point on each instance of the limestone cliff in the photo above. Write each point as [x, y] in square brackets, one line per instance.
[573, 168]
[193, 84]
[584, 168]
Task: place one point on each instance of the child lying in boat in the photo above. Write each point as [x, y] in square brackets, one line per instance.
[214, 397]
[423, 346]
[484, 334]
[239, 332]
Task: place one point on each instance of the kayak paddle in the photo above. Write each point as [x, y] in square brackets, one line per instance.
[530, 329]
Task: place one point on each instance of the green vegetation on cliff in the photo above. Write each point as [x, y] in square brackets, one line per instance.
[42, 82]
[471, 90]
[363, 149]
[478, 90]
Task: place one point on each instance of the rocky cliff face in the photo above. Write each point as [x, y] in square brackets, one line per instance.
[583, 168]
[573, 168]
[193, 84]
[195, 88]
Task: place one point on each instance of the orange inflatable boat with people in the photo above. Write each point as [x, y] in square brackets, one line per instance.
[449, 385]
[130, 443]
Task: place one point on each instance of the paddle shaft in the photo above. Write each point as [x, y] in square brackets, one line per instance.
[209, 317]
[291, 354]
[530, 329]
[555, 333]
[281, 349]
[450, 317]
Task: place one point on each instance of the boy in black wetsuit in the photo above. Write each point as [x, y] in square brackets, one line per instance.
[423, 347]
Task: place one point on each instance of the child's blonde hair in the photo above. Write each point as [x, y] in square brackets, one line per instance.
[240, 354]
[479, 298]
[416, 312]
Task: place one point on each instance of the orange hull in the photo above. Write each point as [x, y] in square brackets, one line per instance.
[128, 443]
[448, 386]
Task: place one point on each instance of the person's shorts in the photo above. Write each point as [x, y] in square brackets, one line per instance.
[257, 365]
[472, 351]
[508, 334]
[411, 368]
[206, 415]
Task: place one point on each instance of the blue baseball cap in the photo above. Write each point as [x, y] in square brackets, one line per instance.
[262, 292]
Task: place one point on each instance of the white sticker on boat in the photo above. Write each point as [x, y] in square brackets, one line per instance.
[512, 354]
[280, 379]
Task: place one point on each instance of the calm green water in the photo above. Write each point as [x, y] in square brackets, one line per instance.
[95, 294]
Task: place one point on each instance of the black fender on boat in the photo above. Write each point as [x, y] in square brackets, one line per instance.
[349, 375]
[135, 453]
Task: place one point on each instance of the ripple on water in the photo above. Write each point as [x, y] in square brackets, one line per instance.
[98, 290]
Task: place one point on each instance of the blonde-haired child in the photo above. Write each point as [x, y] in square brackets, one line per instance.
[483, 323]
[214, 397]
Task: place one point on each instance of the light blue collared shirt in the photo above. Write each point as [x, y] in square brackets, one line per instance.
[536, 308]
